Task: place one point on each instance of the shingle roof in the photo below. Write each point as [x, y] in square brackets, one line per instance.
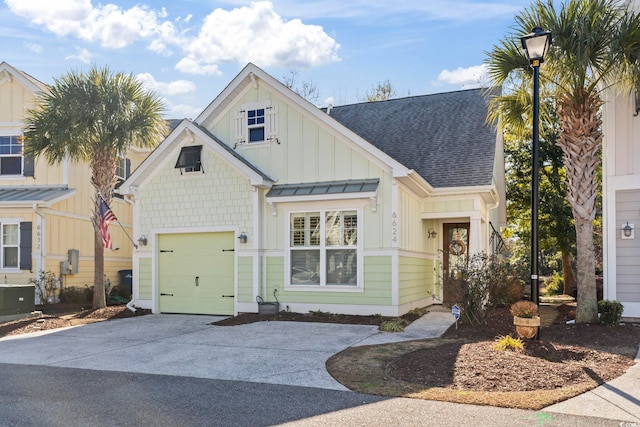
[443, 137]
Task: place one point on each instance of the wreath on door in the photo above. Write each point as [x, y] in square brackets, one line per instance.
[457, 247]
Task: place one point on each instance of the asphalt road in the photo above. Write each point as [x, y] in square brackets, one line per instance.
[52, 396]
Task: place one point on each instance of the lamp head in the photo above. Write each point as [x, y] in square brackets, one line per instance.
[536, 45]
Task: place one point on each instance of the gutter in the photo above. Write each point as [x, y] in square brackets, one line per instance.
[129, 305]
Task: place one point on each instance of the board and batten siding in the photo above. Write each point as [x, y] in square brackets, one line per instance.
[628, 250]
[377, 286]
[245, 279]
[219, 196]
[412, 235]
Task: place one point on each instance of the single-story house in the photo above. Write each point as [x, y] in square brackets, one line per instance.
[350, 209]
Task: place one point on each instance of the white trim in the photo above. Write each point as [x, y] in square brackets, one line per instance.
[322, 197]
[257, 241]
[449, 216]
[155, 233]
[322, 248]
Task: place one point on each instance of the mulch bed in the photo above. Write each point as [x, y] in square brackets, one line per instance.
[63, 315]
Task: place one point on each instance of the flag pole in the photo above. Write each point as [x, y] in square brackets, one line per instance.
[125, 232]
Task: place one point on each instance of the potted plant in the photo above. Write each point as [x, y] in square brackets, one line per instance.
[525, 318]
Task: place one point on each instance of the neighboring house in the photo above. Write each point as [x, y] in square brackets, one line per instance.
[45, 210]
[353, 209]
[621, 201]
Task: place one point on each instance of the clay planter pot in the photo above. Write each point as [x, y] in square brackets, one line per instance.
[527, 327]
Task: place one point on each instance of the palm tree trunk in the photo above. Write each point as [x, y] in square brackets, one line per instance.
[587, 310]
[99, 299]
[580, 139]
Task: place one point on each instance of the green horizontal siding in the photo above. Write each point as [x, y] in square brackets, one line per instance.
[144, 278]
[245, 279]
[377, 285]
[416, 279]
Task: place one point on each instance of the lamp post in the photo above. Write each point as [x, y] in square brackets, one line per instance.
[535, 45]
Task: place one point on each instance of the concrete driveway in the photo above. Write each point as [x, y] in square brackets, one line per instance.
[288, 353]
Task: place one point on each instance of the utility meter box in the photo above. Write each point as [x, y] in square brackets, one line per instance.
[74, 260]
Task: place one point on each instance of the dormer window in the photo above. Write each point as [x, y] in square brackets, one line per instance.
[256, 123]
[189, 159]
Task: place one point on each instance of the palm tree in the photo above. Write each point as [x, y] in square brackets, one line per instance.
[94, 117]
[596, 46]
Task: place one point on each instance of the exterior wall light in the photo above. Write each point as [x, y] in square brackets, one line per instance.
[243, 238]
[142, 240]
[628, 231]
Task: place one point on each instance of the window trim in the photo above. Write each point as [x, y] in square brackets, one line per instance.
[16, 222]
[195, 168]
[323, 248]
[270, 125]
[20, 143]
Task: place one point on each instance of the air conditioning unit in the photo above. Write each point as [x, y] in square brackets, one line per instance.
[16, 301]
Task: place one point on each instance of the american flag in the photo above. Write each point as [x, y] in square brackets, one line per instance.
[106, 217]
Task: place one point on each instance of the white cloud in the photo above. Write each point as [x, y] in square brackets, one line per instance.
[83, 55]
[181, 111]
[253, 33]
[108, 24]
[33, 47]
[176, 87]
[474, 76]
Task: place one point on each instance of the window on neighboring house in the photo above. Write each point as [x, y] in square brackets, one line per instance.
[189, 159]
[256, 123]
[10, 155]
[10, 245]
[324, 248]
[123, 171]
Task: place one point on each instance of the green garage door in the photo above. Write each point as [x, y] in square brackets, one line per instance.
[195, 273]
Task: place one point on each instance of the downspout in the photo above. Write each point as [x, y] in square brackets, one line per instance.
[41, 254]
[129, 305]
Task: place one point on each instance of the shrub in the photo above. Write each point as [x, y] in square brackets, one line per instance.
[610, 312]
[524, 309]
[393, 325]
[46, 285]
[485, 282]
[507, 342]
[76, 295]
[554, 285]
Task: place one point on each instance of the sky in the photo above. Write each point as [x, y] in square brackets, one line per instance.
[188, 51]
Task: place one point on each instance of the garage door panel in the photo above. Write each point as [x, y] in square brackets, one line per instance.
[184, 257]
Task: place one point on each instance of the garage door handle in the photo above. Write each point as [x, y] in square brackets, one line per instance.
[228, 296]
[166, 250]
[228, 250]
[166, 295]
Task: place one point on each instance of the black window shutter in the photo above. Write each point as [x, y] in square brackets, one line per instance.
[29, 167]
[25, 245]
[127, 167]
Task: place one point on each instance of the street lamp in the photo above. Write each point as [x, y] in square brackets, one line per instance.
[536, 46]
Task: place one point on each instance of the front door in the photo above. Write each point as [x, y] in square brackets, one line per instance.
[456, 253]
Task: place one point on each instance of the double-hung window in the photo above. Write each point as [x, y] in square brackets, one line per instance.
[324, 248]
[10, 245]
[256, 123]
[10, 155]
